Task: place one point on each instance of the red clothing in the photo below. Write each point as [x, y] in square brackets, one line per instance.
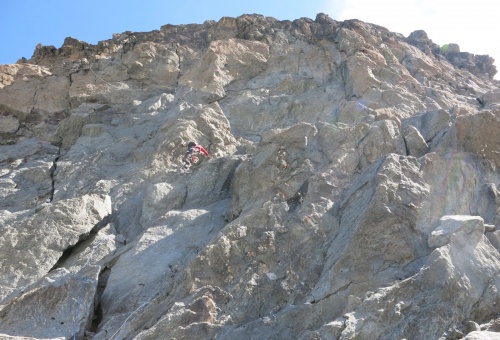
[202, 149]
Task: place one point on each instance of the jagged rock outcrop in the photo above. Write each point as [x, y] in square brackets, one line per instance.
[351, 190]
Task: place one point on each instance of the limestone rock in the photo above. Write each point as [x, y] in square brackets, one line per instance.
[26, 174]
[429, 124]
[161, 197]
[475, 63]
[453, 175]
[494, 238]
[448, 273]
[415, 143]
[34, 96]
[350, 192]
[365, 207]
[224, 62]
[47, 232]
[355, 112]
[479, 335]
[384, 137]
[450, 225]
[60, 305]
[475, 133]
[10, 125]
[149, 60]
[452, 48]
[183, 233]
[490, 99]
[493, 325]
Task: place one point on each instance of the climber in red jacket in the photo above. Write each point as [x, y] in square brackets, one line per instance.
[192, 150]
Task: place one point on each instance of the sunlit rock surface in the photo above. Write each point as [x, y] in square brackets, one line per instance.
[351, 190]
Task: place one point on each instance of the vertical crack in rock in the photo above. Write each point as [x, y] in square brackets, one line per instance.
[70, 77]
[98, 315]
[19, 128]
[225, 190]
[52, 175]
[178, 62]
[407, 147]
[34, 98]
[344, 74]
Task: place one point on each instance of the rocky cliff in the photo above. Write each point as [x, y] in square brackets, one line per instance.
[352, 189]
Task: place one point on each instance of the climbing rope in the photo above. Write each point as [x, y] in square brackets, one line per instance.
[52, 66]
[124, 322]
[95, 74]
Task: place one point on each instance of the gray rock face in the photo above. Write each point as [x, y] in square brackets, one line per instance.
[454, 224]
[351, 189]
[64, 306]
[33, 241]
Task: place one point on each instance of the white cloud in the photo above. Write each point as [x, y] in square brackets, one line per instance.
[473, 25]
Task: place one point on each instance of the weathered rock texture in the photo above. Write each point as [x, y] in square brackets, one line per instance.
[352, 190]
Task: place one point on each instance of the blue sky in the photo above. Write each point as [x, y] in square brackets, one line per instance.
[24, 24]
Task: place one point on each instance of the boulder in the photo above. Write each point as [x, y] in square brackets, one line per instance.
[475, 134]
[450, 225]
[10, 125]
[430, 124]
[463, 283]
[480, 335]
[162, 197]
[47, 232]
[415, 143]
[61, 305]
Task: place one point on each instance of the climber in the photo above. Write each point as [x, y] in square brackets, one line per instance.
[192, 150]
